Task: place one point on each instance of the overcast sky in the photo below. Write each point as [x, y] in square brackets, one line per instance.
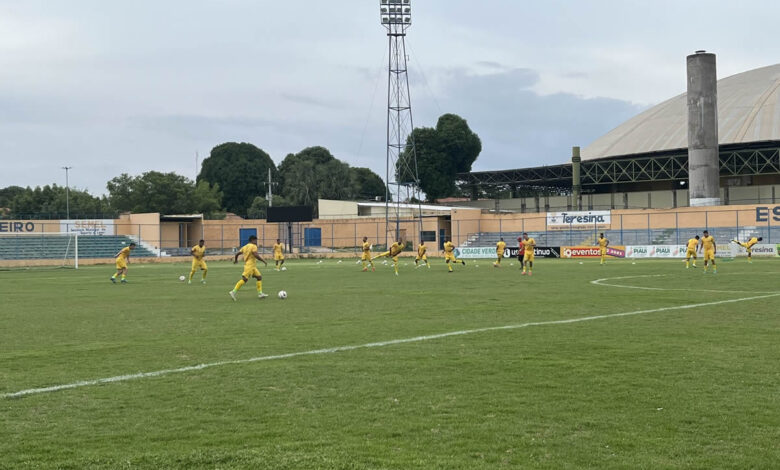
[126, 87]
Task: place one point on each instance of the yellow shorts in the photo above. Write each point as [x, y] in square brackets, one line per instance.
[603, 251]
[278, 257]
[199, 263]
[709, 255]
[449, 257]
[423, 257]
[366, 256]
[500, 254]
[395, 259]
[690, 254]
[121, 264]
[528, 256]
[250, 271]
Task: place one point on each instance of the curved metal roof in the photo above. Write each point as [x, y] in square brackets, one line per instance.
[748, 111]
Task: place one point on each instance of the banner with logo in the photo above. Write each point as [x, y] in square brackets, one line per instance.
[655, 251]
[88, 227]
[489, 252]
[20, 226]
[591, 251]
[539, 252]
[760, 250]
[579, 220]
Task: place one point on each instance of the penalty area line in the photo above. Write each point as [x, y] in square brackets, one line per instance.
[337, 349]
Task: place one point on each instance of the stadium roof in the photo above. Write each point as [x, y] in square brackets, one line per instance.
[748, 112]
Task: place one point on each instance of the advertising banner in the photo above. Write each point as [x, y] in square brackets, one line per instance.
[759, 250]
[539, 252]
[591, 251]
[489, 252]
[88, 227]
[655, 251]
[579, 220]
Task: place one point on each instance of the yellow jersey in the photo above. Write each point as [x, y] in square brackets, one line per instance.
[421, 249]
[603, 242]
[249, 251]
[752, 242]
[278, 248]
[708, 243]
[124, 253]
[448, 247]
[529, 245]
[396, 248]
[693, 244]
[198, 252]
[500, 247]
[366, 247]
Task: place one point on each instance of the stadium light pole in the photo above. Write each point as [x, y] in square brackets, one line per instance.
[67, 192]
[401, 161]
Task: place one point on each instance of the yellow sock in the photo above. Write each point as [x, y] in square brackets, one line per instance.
[123, 276]
[395, 266]
[449, 266]
[365, 266]
[239, 284]
[114, 276]
[205, 271]
[192, 273]
[687, 263]
[259, 286]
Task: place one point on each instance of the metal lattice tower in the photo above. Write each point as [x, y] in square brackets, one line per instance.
[396, 17]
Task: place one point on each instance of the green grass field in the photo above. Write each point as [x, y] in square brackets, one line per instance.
[674, 386]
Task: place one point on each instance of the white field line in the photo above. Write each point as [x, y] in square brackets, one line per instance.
[157, 373]
[600, 282]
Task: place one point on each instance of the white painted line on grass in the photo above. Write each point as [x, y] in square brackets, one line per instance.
[601, 282]
[158, 373]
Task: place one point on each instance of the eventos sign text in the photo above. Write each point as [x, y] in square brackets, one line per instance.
[591, 251]
[578, 220]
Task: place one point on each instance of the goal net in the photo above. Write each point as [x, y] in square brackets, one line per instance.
[31, 249]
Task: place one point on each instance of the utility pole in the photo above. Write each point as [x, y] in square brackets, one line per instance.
[269, 196]
[67, 192]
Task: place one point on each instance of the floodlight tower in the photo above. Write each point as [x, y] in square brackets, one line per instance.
[396, 17]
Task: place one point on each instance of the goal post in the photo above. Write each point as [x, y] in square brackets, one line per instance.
[33, 249]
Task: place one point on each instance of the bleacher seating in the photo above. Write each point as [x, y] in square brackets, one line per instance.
[55, 246]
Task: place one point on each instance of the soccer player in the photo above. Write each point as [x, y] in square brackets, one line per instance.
[709, 248]
[528, 257]
[421, 249]
[278, 254]
[748, 245]
[449, 255]
[500, 247]
[366, 258]
[520, 250]
[603, 244]
[249, 251]
[395, 249]
[198, 251]
[690, 252]
[122, 258]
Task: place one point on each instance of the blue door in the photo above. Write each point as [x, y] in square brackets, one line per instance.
[312, 237]
[442, 236]
[245, 233]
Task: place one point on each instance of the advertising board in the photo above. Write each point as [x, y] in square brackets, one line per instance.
[579, 220]
[88, 226]
[591, 251]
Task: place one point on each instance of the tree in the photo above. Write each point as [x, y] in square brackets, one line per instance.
[259, 207]
[50, 201]
[366, 184]
[241, 171]
[167, 193]
[314, 173]
[442, 152]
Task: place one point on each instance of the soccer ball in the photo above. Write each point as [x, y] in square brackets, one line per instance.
[282, 294]
[182, 278]
[284, 268]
